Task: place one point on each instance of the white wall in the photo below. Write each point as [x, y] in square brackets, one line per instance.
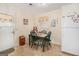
[20, 28]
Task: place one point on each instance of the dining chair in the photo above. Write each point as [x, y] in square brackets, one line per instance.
[33, 41]
[48, 36]
[47, 40]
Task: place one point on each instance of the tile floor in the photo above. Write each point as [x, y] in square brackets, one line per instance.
[55, 50]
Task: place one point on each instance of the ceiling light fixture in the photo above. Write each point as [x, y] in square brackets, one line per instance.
[42, 4]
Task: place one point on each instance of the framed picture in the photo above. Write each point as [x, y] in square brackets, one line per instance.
[25, 21]
[53, 23]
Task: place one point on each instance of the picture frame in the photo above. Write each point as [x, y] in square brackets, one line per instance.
[53, 23]
[25, 21]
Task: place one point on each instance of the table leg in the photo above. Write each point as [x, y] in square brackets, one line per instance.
[43, 48]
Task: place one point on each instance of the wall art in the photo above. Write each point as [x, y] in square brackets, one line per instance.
[25, 21]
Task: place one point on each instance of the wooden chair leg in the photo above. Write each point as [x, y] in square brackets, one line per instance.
[32, 45]
[43, 48]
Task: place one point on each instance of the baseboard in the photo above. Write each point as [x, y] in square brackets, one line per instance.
[69, 53]
[56, 43]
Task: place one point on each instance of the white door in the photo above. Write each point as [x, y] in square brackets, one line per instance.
[70, 29]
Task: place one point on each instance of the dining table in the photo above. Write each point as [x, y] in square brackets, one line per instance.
[41, 40]
[41, 34]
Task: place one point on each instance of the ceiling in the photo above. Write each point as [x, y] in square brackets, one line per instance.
[34, 8]
[37, 8]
